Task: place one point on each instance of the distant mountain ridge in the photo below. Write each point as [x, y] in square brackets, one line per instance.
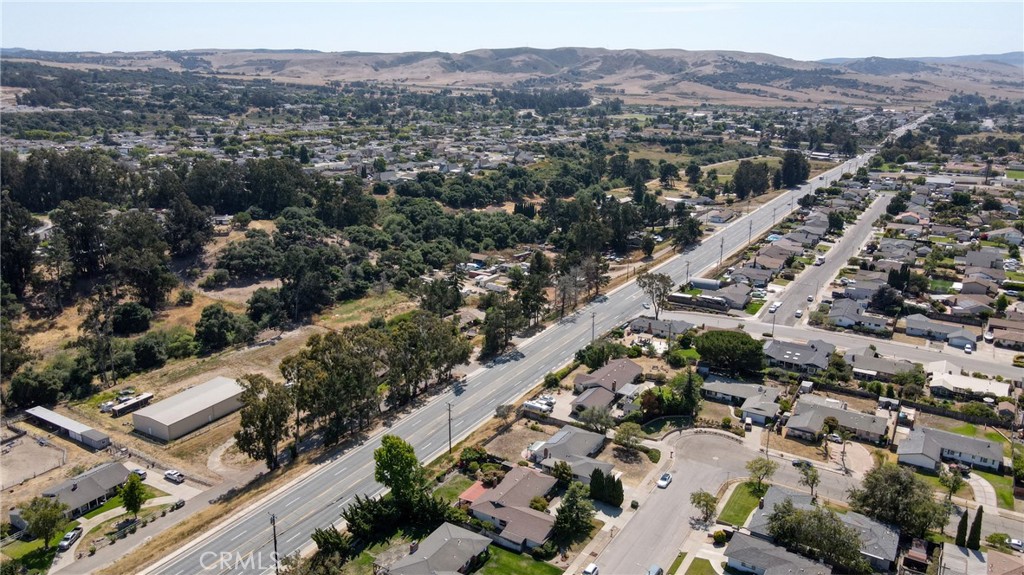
[670, 76]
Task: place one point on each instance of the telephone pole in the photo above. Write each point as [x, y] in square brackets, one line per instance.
[593, 333]
[273, 525]
[721, 250]
[449, 428]
[687, 272]
[750, 231]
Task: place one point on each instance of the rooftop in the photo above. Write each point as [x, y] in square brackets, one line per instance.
[192, 400]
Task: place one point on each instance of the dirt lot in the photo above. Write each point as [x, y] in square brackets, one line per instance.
[29, 468]
[797, 447]
[634, 465]
[512, 444]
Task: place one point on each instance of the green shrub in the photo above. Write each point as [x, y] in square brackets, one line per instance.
[545, 552]
[473, 467]
[654, 455]
[185, 298]
[539, 503]
[551, 380]
[726, 422]
[719, 537]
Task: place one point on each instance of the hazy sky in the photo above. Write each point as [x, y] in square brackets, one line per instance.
[802, 30]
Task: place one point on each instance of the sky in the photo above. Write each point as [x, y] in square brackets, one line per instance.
[808, 30]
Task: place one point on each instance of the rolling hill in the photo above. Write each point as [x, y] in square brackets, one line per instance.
[673, 77]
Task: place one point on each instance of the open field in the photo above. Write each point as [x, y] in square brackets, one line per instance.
[362, 310]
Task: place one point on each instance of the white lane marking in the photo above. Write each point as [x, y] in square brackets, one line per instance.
[292, 502]
[340, 471]
[297, 535]
[239, 535]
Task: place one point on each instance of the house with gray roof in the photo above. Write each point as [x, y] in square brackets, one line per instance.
[737, 295]
[596, 397]
[507, 507]
[758, 402]
[879, 542]
[850, 313]
[753, 276]
[447, 551]
[921, 326]
[84, 492]
[574, 446]
[809, 357]
[926, 447]
[869, 366]
[810, 414]
[665, 328]
[748, 554]
[615, 374]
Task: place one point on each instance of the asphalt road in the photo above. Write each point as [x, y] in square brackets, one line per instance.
[243, 544]
[814, 280]
[661, 525]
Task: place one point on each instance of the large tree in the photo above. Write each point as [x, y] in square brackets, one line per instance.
[895, 495]
[398, 469]
[810, 477]
[572, 520]
[795, 168]
[820, 531]
[17, 244]
[705, 503]
[761, 469]
[138, 255]
[266, 409]
[133, 494]
[657, 287]
[188, 227]
[733, 352]
[750, 179]
[44, 517]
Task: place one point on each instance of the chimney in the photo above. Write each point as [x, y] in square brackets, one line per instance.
[615, 385]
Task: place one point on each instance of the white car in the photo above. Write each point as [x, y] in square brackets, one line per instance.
[69, 539]
[1015, 544]
[174, 476]
[799, 313]
[591, 569]
[665, 480]
[810, 298]
[647, 305]
[968, 348]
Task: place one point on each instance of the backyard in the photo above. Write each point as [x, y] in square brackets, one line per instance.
[31, 554]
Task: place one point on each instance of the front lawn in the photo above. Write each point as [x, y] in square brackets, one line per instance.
[738, 507]
[675, 564]
[964, 492]
[754, 306]
[701, 567]
[452, 488]
[32, 556]
[1015, 174]
[662, 425]
[1003, 485]
[502, 562]
[115, 502]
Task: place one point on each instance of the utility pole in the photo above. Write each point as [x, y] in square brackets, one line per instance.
[273, 525]
[721, 250]
[750, 231]
[773, 214]
[687, 272]
[449, 428]
[593, 333]
[774, 315]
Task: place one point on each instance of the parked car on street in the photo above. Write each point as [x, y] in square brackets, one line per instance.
[665, 480]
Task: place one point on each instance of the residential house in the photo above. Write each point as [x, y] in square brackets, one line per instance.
[810, 357]
[868, 365]
[996, 275]
[1009, 235]
[956, 386]
[594, 397]
[769, 263]
[1007, 332]
[922, 326]
[979, 286]
[810, 414]
[665, 328]
[507, 506]
[961, 338]
[574, 446]
[748, 554]
[448, 550]
[752, 276]
[974, 305]
[806, 238]
[737, 295]
[863, 289]
[83, 492]
[879, 542]
[613, 375]
[758, 402]
[926, 447]
[721, 216]
[986, 257]
[850, 313]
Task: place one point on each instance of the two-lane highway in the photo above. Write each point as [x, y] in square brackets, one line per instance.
[243, 544]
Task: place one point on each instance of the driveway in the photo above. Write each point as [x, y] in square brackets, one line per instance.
[984, 493]
[858, 457]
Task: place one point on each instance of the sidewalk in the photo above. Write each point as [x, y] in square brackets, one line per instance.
[613, 525]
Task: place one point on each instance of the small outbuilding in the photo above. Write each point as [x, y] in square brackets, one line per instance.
[66, 426]
[189, 410]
